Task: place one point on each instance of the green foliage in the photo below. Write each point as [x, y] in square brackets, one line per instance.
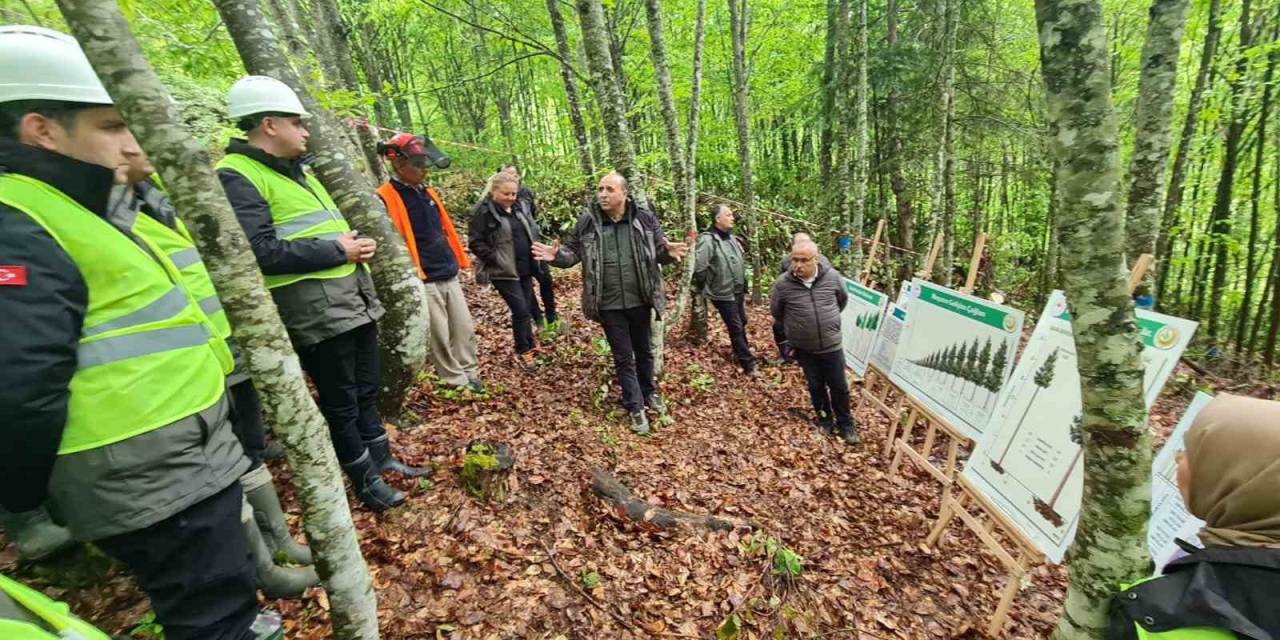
[477, 462]
[147, 628]
[590, 579]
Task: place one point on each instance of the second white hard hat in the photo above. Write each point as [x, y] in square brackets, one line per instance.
[252, 95]
[43, 64]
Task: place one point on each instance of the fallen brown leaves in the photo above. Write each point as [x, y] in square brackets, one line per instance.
[551, 561]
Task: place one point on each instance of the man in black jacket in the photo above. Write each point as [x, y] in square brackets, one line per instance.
[806, 302]
[620, 246]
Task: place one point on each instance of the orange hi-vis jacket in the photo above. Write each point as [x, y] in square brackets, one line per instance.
[400, 218]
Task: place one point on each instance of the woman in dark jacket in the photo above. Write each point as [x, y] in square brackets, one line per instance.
[1229, 475]
[501, 237]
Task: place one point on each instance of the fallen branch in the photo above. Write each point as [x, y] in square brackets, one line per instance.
[628, 506]
[596, 603]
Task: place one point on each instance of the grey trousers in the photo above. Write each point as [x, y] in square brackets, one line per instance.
[450, 332]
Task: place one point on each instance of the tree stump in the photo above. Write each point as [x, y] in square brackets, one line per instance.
[485, 467]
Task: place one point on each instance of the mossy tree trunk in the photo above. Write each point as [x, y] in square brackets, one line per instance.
[1110, 547]
[187, 171]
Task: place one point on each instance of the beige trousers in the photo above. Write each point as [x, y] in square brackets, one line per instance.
[451, 333]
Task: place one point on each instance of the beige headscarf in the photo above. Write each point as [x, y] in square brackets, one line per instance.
[1233, 451]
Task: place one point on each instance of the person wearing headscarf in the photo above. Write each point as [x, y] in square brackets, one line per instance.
[1229, 476]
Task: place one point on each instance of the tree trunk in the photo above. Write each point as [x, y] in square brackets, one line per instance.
[944, 204]
[571, 92]
[1220, 225]
[666, 98]
[189, 178]
[1110, 547]
[1255, 196]
[595, 40]
[897, 181]
[1273, 328]
[1178, 173]
[329, 20]
[741, 98]
[829, 64]
[861, 166]
[1151, 137]
[402, 340]
[838, 205]
[691, 172]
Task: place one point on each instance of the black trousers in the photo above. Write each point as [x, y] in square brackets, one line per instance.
[627, 331]
[518, 294]
[734, 314]
[548, 295]
[345, 371]
[247, 422]
[196, 568]
[828, 386]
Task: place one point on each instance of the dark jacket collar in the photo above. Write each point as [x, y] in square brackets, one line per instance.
[86, 183]
[723, 235]
[628, 215]
[290, 168]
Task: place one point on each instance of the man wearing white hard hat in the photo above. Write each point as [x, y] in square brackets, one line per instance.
[111, 377]
[314, 265]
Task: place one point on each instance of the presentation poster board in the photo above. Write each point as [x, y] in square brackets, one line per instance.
[1029, 462]
[885, 344]
[1169, 516]
[955, 355]
[859, 323]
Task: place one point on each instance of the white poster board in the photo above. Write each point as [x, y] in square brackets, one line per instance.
[1169, 516]
[955, 355]
[1029, 463]
[885, 345]
[859, 323]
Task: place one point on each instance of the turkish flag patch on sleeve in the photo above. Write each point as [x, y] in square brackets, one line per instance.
[13, 276]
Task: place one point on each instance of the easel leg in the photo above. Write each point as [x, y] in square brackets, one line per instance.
[944, 518]
[1011, 589]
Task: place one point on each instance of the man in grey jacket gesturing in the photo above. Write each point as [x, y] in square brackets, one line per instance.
[806, 301]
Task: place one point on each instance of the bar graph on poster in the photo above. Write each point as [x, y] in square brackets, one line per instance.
[955, 355]
[1028, 463]
[1169, 516]
[859, 324]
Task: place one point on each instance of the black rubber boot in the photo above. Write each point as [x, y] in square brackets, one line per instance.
[367, 482]
[270, 517]
[35, 534]
[380, 450]
[276, 581]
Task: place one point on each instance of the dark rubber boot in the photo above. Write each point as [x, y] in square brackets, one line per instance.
[276, 581]
[35, 534]
[270, 518]
[380, 450]
[367, 482]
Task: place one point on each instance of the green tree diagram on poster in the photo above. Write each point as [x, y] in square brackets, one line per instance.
[953, 357]
[859, 324]
[1028, 463]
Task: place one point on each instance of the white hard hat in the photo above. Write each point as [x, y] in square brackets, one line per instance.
[261, 94]
[42, 64]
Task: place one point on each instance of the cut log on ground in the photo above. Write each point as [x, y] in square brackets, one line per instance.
[629, 507]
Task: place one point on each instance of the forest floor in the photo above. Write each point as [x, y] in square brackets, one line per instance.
[551, 560]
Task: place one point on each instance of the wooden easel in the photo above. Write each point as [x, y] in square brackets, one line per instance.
[979, 245]
[983, 518]
[876, 388]
[933, 427]
[983, 521]
[926, 271]
[870, 262]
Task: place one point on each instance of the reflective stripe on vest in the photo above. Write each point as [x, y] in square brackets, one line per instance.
[297, 212]
[138, 369]
[176, 243]
[57, 615]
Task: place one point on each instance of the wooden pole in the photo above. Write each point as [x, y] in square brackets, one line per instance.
[1140, 268]
[979, 246]
[926, 273]
[871, 255]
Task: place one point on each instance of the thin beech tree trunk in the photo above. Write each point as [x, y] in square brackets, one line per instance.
[187, 171]
[741, 100]
[690, 184]
[402, 336]
[571, 92]
[1110, 546]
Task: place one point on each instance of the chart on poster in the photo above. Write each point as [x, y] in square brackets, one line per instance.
[886, 342]
[1169, 516]
[955, 355]
[859, 324]
[1029, 461]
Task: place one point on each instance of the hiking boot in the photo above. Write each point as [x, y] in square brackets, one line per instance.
[35, 534]
[640, 424]
[373, 492]
[380, 451]
[656, 404]
[275, 581]
[825, 425]
[526, 361]
[270, 518]
[849, 434]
